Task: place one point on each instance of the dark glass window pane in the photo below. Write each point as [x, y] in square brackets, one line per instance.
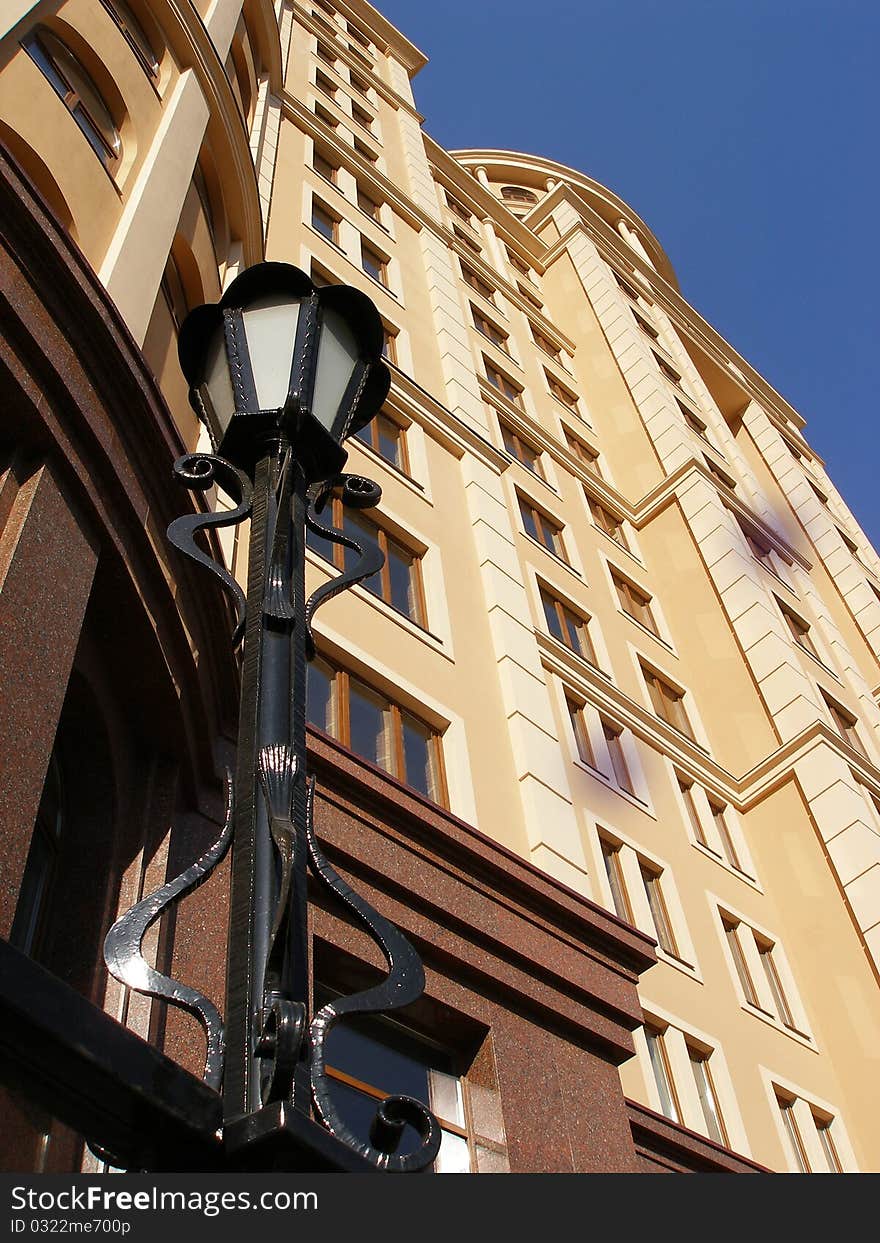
[377, 1061]
[551, 616]
[389, 441]
[367, 712]
[417, 756]
[359, 528]
[400, 573]
[528, 518]
[319, 696]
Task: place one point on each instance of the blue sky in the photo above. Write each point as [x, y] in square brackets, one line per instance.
[746, 136]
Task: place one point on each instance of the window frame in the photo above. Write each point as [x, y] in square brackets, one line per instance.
[373, 440]
[522, 450]
[368, 249]
[554, 543]
[568, 618]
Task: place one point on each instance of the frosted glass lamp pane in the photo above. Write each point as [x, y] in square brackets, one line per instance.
[270, 327]
[337, 355]
[218, 382]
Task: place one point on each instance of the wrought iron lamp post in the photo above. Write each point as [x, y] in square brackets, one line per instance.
[281, 373]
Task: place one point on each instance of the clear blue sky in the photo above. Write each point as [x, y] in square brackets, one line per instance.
[746, 136]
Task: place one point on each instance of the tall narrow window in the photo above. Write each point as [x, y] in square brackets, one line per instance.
[324, 222]
[657, 905]
[489, 330]
[739, 961]
[614, 872]
[758, 546]
[560, 392]
[544, 343]
[368, 205]
[783, 1009]
[826, 1139]
[719, 815]
[687, 795]
[75, 88]
[706, 1092]
[585, 455]
[327, 169]
[668, 370]
[567, 626]
[662, 1076]
[581, 733]
[613, 738]
[135, 35]
[470, 277]
[795, 1142]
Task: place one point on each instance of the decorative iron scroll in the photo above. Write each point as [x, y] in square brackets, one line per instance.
[357, 493]
[405, 983]
[122, 949]
[284, 1019]
[198, 472]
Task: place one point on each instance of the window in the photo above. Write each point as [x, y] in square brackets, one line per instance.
[581, 733]
[398, 583]
[485, 326]
[324, 222]
[657, 906]
[719, 818]
[541, 528]
[667, 702]
[376, 728]
[792, 1132]
[792, 448]
[629, 289]
[659, 1060]
[526, 454]
[585, 455]
[560, 392]
[699, 1061]
[389, 344]
[668, 371]
[467, 241]
[327, 117]
[41, 869]
[503, 383]
[368, 205]
[614, 872]
[567, 626]
[634, 602]
[820, 495]
[799, 629]
[719, 474]
[458, 209]
[470, 277]
[325, 54]
[361, 115]
[517, 194]
[358, 84]
[357, 35]
[173, 291]
[800, 1119]
[370, 1058]
[544, 343]
[754, 957]
[696, 425]
[530, 297]
[328, 170]
[850, 543]
[759, 547]
[323, 83]
[765, 953]
[844, 724]
[646, 327]
[687, 796]
[515, 262]
[363, 150]
[374, 264]
[607, 522]
[320, 277]
[613, 735]
[134, 34]
[386, 438]
[75, 88]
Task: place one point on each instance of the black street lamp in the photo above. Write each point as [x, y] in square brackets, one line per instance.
[281, 373]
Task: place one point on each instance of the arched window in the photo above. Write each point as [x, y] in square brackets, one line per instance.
[41, 869]
[73, 85]
[516, 194]
[135, 35]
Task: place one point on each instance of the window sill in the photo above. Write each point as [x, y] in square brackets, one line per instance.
[620, 547]
[555, 555]
[398, 473]
[771, 1020]
[664, 643]
[728, 867]
[333, 245]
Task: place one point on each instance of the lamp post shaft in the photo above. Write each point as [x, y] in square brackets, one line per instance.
[273, 714]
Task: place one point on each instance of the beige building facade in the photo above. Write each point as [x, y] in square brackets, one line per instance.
[629, 630]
